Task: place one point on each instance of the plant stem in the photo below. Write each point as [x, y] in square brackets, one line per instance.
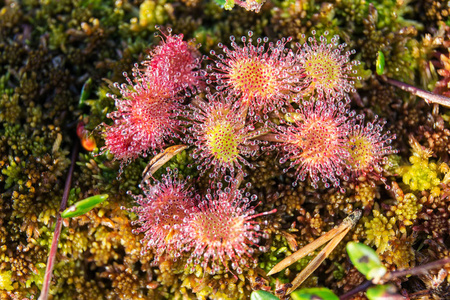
[427, 96]
[414, 272]
[423, 269]
[360, 288]
[57, 232]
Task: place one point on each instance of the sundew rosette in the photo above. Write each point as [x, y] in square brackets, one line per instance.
[221, 136]
[146, 115]
[314, 143]
[326, 71]
[162, 213]
[263, 76]
[145, 118]
[223, 232]
[368, 147]
[179, 60]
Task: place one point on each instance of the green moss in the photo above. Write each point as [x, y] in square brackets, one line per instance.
[279, 250]
[152, 13]
[423, 173]
[38, 277]
[380, 231]
[48, 50]
[6, 280]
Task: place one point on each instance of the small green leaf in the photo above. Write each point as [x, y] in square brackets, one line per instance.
[262, 295]
[85, 92]
[383, 292]
[314, 294]
[83, 206]
[366, 260]
[221, 2]
[380, 63]
[281, 250]
[229, 4]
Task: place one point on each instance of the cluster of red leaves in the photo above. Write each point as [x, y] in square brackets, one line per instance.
[217, 229]
[306, 91]
[147, 112]
[443, 65]
[443, 85]
[253, 97]
[306, 94]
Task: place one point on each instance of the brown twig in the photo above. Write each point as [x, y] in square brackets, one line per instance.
[427, 96]
[395, 274]
[57, 232]
[419, 270]
[360, 288]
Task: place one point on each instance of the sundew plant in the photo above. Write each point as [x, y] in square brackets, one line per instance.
[181, 149]
[297, 100]
[256, 98]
